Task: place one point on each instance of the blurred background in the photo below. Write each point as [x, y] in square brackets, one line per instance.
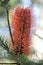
[37, 42]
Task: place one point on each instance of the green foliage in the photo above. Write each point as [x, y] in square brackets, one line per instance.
[14, 3]
[3, 43]
[4, 3]
[9, 3]
[21, 59]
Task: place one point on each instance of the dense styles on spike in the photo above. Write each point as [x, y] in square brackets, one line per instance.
[21, 26]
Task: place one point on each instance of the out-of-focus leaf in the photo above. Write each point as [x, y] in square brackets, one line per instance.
[13, 3]
[4, 3]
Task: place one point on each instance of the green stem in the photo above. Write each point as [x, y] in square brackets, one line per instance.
[9, 26]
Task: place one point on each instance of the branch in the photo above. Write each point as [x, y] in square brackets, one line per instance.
[38, 36]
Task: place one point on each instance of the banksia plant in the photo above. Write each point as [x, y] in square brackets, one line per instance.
[21, 28]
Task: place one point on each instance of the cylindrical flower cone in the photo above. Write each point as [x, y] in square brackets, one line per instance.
[21, 27]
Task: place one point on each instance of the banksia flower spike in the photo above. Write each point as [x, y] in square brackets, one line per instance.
[21, 27]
